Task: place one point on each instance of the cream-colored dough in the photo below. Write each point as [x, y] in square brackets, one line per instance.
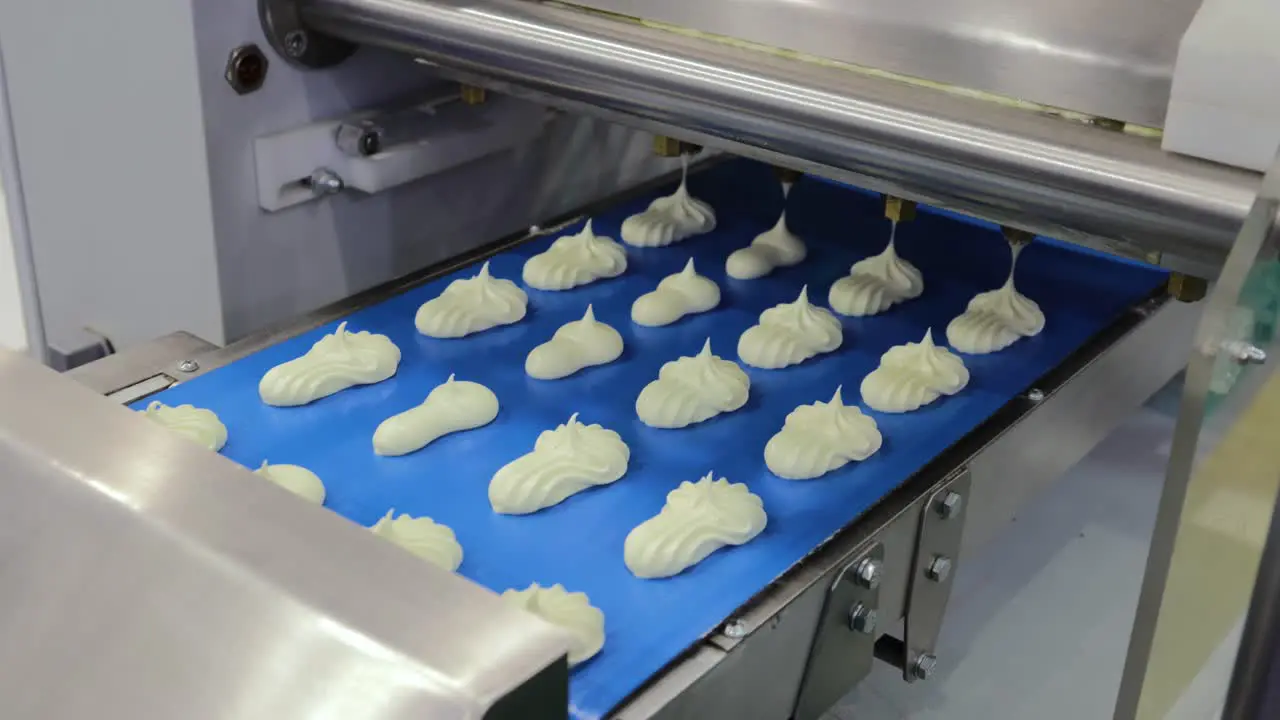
[452, 406]
[575, 260]
[571, 611]
[296, 479]
[772, 249]
[576, 345]
[471, 305]
[198, 424]
[790, 333]
[564, 461]
[876, 284]
[996, 319]
[697, 519]
[669, 219]
[423, 537]
[913, 375]
[693, 389]
[819, 438]
[677, 295]
[336, 362]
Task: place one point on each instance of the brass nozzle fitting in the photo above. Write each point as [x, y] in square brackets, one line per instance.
[1016, 236]
[899, 210]
[1187, 288]
[670, 147]
[472, 95]
[787, 175]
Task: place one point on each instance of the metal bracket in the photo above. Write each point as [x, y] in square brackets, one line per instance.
[936, 560]
[844, 645]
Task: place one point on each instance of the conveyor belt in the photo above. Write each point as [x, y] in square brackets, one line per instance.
[579, 543]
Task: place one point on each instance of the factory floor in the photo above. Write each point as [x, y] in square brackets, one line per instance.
[1039, 622]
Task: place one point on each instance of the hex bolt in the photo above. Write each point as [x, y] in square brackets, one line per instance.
[862, 619]
[1035, 395]
[735, 629]
[188, 366]
[923, 667]
[324, 181]
[295, 43]
[940, 569]
[867, 573]
[950, 505]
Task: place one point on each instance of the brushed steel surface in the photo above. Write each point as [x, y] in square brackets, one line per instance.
[1010, 165]
[143, 577]
[1112, 58]
[134, 364]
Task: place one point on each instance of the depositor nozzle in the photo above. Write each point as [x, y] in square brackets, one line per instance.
[787, 175]
[1016, 236]
[899, 210]
[671, 147]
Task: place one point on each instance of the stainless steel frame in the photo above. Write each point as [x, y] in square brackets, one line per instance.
[755, 667]
[994, 160]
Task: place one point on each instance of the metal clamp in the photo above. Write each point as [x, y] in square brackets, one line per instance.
[844, 646]
[936, 559]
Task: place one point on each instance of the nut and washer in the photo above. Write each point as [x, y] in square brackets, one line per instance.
[867, 573]
[246, 69]
[940, 569]
[863, 619]
[324, 181]
[950, 505]
[1035, 395]
[924, 666]
[735, 629]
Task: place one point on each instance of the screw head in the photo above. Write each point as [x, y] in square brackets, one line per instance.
[924, 666]
[246, 69]
[867, 573]
[324, 181]
[940, 569]
[735, 629]
[950, 505]
[295, 43]
[1245, 353]
[1035, 395]
[863, 619]
[188, 366]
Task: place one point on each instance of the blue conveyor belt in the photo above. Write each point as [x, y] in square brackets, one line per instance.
[579, 543]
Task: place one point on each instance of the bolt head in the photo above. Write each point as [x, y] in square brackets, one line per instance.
[188, 366]
[940, 569]
[246, 69]
[735, 629]
[924, 666]
[295, 43]
[1035, 395]
[863, 619]
[950, 505]
[867, 573]
[324, 181]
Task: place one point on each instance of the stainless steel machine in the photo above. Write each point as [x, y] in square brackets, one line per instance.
[190, 183]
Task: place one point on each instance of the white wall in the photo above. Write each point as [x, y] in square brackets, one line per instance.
[12, 331]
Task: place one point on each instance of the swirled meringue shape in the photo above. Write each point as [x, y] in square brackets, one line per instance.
[693, 389]
[576, 345]
[564, 461]
[790, 333]
[819, 438]
[668, 220]
[875, 284]
[471, 305]
[994, 320]
[913, 375]
[336, 362]
[698, 519]
[575, 260]
[771, 249]
[296, 479]
[189, 421]
[423, 537]
[677, 295]
[571, 611]
[451, 407]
